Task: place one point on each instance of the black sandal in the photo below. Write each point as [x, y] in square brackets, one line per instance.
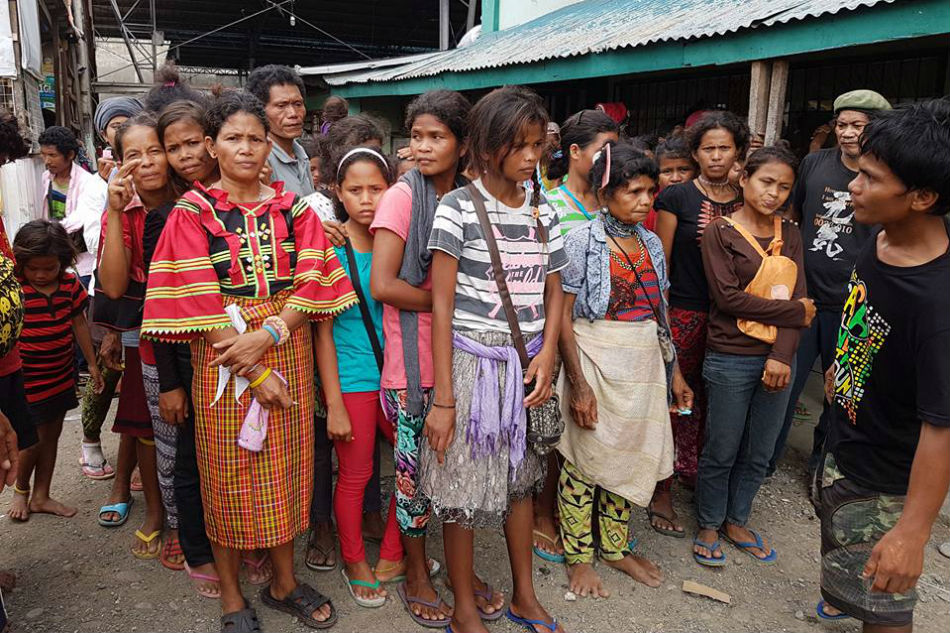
[243, 621]
[302, 602]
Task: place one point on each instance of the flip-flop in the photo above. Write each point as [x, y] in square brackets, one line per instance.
[312, 542]
[171, 547]
[148, 555]
[96, 473]
[528, 624]
[370, 603]
[824, 615]
[487, 594]
[709, 561]
[672, 532]
[434, 568]
[211, 594]
[408, 601]
[256, 566]
[122, 509]
[543, 555]
[747, 546]
[135, 483]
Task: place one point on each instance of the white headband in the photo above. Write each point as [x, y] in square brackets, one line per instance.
[362, 150]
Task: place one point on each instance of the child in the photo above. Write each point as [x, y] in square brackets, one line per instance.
[401, 280]
[476, 467]
[349, 358]
[747, 377]
[614, 319]
[55, 304]
[676, 166]
[887, 458]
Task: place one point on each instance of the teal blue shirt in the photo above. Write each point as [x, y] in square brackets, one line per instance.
[357, 364]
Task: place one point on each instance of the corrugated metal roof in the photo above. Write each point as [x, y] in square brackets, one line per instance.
[595, 26]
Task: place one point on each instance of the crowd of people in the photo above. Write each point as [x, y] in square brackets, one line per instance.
[549, 324]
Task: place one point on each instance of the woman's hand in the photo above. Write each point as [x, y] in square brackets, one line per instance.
[682, 394]
[540, 370]
[583, 405]
[809, 310]
[110, 352]
[776, 375]
[339, 427]
[439, 429]
[272, 393]
[830, 385]
[105, 166]
[335, 232]
[173, 406]
[242, 352]
[121, 188]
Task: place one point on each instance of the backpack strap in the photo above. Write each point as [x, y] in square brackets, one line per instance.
[777, 241]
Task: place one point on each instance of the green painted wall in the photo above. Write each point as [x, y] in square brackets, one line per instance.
[490, 12]
[885, 22]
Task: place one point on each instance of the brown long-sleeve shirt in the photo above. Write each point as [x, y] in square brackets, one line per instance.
[730, 264]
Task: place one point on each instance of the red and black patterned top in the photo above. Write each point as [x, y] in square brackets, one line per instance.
[629, 300]
[46, 343]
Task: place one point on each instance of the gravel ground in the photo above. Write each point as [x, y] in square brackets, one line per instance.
[76, 576]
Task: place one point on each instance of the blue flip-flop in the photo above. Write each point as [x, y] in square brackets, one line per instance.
[540, 553]
[530, 624]
[632, 544]
[746, 546]
[709, 561]
[122, 509]
[824, 615]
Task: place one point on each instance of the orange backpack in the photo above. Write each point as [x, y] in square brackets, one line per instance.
[775, 279]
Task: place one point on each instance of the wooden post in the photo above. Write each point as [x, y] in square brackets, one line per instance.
[776, 117]
[759, 95]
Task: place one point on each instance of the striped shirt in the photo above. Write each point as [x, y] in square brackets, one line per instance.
[46, 343]
[631, 300]
[526, 261]
[568, 213]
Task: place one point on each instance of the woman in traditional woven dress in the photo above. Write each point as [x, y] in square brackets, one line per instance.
[240, 271]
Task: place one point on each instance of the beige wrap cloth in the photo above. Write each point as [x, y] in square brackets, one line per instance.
[631, 447]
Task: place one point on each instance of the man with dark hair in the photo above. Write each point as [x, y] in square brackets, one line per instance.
[832, 240]
[282, 92]
[886, 466]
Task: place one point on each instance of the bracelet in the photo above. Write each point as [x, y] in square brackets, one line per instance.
[260, 379]
[443, 406]
[280, 327]
[267, 327]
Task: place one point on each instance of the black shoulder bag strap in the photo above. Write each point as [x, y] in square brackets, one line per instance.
[364, 308]
[656, 313]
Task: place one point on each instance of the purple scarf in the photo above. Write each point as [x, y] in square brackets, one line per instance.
[488, 426]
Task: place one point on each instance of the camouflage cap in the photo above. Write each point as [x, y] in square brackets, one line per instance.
[861, 100]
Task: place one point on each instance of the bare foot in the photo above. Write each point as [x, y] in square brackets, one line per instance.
[51, 506]
[361, 571]
[321, 549]
[638, 568]
[472, 623]
[534, 611]
[373, 526]
[546, 535]
[662, 515]
[711, 537]
[743, 535]
[585, 581]
[19, 506]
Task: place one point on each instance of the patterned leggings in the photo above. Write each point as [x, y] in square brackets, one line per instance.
[95, 406]
[412, 507]
[575, 500]
[166, 442]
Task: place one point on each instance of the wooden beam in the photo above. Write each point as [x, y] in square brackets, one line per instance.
[759, 95]
[777, 89]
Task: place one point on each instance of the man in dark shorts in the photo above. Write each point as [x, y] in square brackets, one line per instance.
[886, 466]
[832, 239]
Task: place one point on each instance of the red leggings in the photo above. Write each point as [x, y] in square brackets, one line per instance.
[356, 468]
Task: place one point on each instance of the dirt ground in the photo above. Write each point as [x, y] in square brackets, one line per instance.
[74, 575]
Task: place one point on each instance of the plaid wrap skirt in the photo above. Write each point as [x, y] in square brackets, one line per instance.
[256, 500]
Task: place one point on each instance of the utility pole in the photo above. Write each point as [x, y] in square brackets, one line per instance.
[443, 24]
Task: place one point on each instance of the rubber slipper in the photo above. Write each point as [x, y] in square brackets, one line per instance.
[528, 624]
[121, 508]
[824, 615]
[487, 594]
[301, 603]
[171, 547]
[370, 603]
[709, 561]
[148, 555]
[664, 531]
[543, 555]
[312, 542]
[96, 473]
[746, 547]
[212, 594]
[408, 601]
[135, 484]
[256, 565]
[434, 568]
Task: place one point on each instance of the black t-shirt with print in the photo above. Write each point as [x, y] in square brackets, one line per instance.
[693, 211]
[831, 236]
[892, 367]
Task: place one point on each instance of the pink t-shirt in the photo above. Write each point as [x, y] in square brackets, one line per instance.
[393, 213]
